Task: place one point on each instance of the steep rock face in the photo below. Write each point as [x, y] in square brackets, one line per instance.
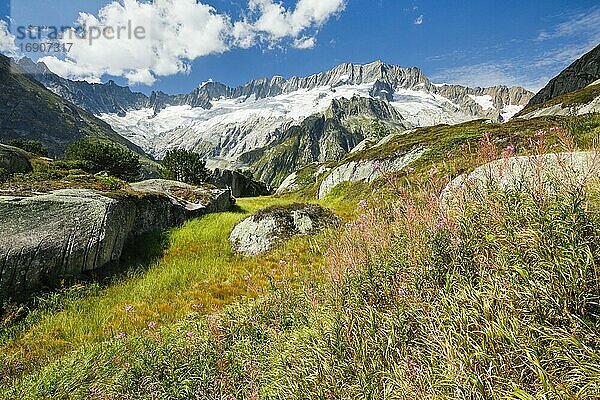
[344, 74]
[260, 232]
[68, 232]
[384, 78]
[289, 184]
[578, 103]
[366, 170]
[325, 137]
[13, 160]
[578, 75]
[497, 102]
[95, 98]
[239, 184]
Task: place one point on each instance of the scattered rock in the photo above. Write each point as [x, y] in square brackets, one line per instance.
[290, 184]
[207, 198]
[555, 170]
[13, 161]
[366, 170]
[68, 232]
[260, 232]
[561, 110]
[240, 184]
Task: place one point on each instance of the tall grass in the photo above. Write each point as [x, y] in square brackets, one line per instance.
[493, 297]
[198, 272]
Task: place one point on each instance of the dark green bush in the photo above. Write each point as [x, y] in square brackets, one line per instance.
[94, 155]
[184, 166]
[32, 146]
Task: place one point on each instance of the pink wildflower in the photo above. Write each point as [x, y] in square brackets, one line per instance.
[509, 151]
[121, 335]
[129, 308]
[152, 325]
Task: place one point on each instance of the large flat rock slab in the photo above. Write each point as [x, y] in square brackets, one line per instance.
[66, 233]
[546, 173]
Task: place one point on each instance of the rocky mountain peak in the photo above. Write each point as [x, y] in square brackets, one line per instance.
[578, 75]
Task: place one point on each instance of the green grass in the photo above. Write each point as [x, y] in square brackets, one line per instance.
[499, 301]
[573, 99]
[197, 273]
[498, 298]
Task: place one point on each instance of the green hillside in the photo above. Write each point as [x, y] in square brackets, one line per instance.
[28, 111]
[497, 299]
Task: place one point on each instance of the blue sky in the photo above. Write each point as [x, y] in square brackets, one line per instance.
[467, 42]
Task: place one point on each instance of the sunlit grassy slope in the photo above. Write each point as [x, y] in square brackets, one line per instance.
[197, 273]
[499, 299]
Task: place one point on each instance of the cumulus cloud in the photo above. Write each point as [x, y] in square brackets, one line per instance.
[276, 22]
[419, 19]
[7, 40]
[177, 32]
[142, 40]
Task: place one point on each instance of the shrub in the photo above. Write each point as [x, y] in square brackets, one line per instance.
[379, 129]
[32, 146]
[95, 155]
[184, 166]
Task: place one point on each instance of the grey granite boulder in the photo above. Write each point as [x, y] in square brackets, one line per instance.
[366, 170]
[239, 184]
[289, 184]
[13, 160]
[66, 233]
[260, 232]
[546, 173]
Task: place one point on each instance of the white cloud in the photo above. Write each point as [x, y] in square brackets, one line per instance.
[177, 32]
[72, 70]
[305, 43]
[272, 22]
[419, 19]
[141, 76]
[7, 40]
[483, 75]
[579, 24]
[170, 34]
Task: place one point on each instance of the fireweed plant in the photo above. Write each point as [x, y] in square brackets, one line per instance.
[493, 295]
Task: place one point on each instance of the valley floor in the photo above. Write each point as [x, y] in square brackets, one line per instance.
[188, 271]
[497, 296]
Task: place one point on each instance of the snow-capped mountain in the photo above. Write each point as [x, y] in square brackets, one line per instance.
[225, 123]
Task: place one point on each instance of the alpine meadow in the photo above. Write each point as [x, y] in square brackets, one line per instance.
[267, 199]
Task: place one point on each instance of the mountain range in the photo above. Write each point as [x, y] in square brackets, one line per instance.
[231, 127]
[29, 111]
